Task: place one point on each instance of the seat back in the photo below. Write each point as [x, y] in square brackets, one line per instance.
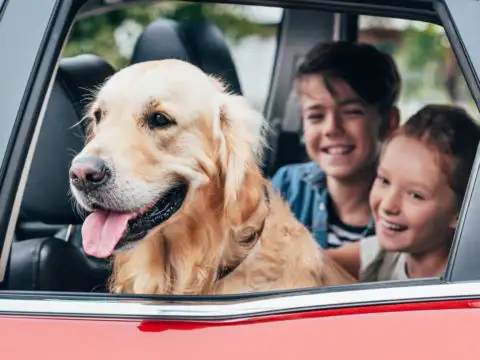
[61, 137]
[199, 42]
[52, 263]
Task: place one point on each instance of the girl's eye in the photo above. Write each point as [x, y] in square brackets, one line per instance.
[416, 196]
[382, 180]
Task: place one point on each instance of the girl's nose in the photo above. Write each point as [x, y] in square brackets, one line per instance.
[390, 204]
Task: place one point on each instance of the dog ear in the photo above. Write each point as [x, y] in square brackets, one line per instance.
[241, 148]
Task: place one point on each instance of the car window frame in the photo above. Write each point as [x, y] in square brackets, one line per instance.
[3, 5]
[459, 17]
[42, 68]
[28, 75]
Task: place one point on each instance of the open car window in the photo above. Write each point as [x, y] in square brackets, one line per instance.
[247, 30]
[253, 40]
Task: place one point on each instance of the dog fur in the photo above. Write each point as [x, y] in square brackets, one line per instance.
[215, 145]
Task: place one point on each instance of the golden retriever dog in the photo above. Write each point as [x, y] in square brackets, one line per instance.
[170, 174]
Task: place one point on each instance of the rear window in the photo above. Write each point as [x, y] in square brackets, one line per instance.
[246, 29]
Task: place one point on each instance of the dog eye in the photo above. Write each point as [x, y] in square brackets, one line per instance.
[159, 120]
[97, 114]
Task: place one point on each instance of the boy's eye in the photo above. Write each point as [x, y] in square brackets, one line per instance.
[353, 112]
[316, 117]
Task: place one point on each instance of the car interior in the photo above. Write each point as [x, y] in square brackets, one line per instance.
[47, 253]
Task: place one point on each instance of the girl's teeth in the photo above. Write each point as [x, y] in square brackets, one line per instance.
[391, 226]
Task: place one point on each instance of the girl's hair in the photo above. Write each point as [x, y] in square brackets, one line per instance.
[451, 132]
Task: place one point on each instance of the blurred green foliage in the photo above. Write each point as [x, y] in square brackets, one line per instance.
[424, 52]
[427, 64]
[95, 34]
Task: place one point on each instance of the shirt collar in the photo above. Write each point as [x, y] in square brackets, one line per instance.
[314, 176]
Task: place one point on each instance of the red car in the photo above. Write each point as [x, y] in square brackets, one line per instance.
[51, 301]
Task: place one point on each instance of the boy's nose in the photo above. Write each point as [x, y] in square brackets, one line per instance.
[333, 124]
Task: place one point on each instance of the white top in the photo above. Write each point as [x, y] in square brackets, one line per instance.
[377, 264]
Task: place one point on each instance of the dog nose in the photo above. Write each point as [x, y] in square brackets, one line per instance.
[89, 173]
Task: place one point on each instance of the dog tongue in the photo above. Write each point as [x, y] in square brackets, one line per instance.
[102, 231]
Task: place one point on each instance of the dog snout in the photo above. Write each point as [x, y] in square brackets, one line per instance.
[89, 173]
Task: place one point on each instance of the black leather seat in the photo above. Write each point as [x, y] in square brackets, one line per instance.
[54, 263]
[199, 42]
[61, 137]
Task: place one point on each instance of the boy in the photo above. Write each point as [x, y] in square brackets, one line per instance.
[348, 94]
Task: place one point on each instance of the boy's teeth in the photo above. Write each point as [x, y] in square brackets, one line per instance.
[338, 150]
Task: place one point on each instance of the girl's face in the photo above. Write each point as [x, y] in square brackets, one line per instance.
[415, 209]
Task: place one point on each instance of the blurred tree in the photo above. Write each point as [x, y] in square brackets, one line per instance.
[96, 34]
[423, 55]
[425, 49]
[428, 50]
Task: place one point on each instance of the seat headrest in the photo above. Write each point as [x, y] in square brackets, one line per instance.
[46, 197]
[199, 42]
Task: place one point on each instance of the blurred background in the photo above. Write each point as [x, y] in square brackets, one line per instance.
[429, 71]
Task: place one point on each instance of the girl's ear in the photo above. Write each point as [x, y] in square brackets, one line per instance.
[454, 221]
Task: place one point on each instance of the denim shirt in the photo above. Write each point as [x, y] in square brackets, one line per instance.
[304, 187]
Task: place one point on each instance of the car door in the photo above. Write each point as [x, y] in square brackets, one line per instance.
[431, 318]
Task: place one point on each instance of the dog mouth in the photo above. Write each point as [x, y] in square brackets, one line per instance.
[106, 230]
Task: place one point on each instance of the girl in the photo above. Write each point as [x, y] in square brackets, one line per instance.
[416, 197]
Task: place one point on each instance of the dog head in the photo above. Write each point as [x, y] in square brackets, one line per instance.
[158, 132]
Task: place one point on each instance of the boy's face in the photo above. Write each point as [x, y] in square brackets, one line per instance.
[342, 133]
[415, 209]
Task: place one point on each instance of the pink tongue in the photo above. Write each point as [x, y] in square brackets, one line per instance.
[102, 230]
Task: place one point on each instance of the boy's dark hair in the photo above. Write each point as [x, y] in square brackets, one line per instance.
[453, 133]
[371, 73]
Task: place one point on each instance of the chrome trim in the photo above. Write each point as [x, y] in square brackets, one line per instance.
[234, 310]
[70, 233]
[337, 23]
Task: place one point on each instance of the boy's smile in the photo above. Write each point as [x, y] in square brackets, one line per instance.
[341, 131]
